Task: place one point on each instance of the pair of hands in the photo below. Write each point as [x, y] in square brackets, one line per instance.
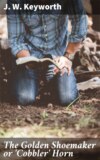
[64, 63]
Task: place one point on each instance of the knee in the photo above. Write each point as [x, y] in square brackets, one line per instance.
[25, 99]
[67, 99]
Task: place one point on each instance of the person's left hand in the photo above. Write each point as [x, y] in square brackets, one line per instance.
[64, 64]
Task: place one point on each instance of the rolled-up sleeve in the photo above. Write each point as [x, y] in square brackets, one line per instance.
[16, 32]
[79, 22]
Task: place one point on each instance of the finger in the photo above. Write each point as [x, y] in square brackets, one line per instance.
[61, 66]
[64, 70]
[56, 70]
[29, 66]
[69, 71]
[26, 66]
[57, 59]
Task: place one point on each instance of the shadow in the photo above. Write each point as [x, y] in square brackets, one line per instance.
[5, 72]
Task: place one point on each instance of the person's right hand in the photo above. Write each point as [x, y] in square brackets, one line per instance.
[23, 53]
[64, 64]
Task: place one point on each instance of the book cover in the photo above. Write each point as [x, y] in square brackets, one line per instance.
[50, 106]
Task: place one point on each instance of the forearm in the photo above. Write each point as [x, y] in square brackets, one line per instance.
[73, 47]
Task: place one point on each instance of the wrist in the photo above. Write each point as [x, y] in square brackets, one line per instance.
[70, 56]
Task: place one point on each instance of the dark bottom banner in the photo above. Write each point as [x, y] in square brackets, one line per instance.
[49, 149]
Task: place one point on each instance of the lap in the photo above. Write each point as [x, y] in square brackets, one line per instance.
[24, 84]
[65, 88]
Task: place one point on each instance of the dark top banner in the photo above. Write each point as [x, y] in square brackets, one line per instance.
[50, 6]
[71, 7]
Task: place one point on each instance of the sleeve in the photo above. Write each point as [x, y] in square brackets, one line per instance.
[79, 22]
[16, 31]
